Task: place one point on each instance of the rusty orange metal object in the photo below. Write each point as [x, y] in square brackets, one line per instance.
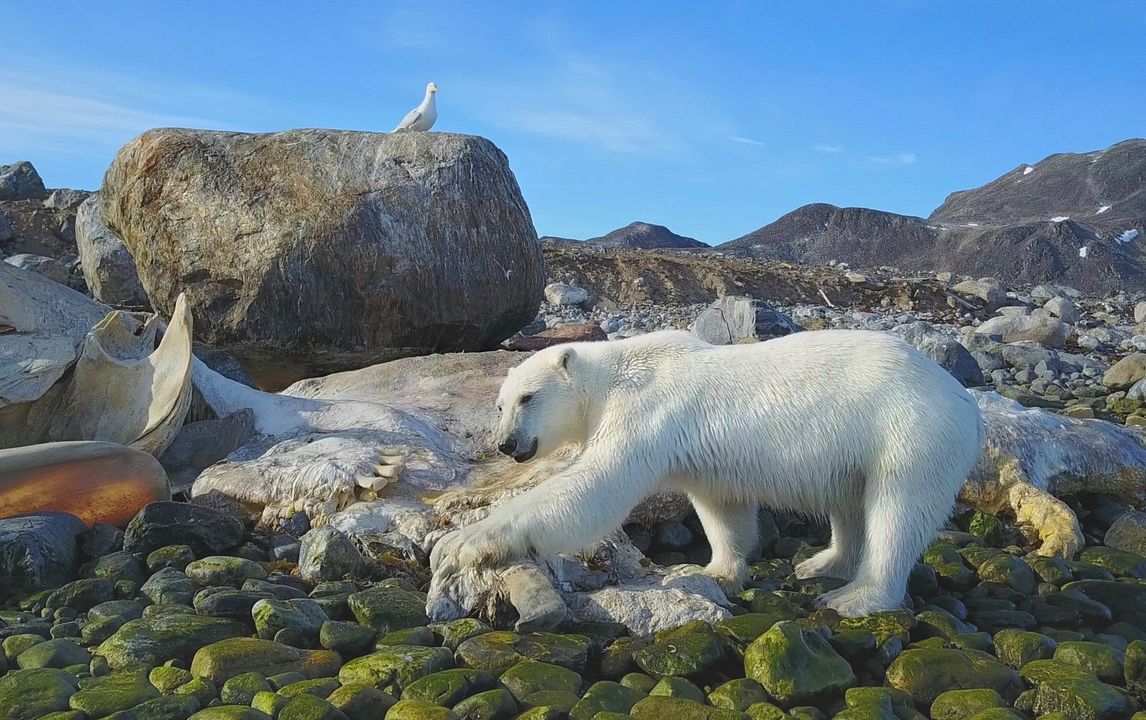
[98, 482]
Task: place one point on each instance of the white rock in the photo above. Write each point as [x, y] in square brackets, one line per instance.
[565, 294]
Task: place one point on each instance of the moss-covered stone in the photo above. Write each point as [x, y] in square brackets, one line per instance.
[770, 605]
[1135, 668]
[100, 696]
[678, 687]
[939, 623]
[423, 636]
[796, 666]
[738, 694]
[387, 608]
[883, 625]
[241, 689]
[177, 557]
[419, 710]
[309, 707]
[318, 687]
[223, 570]
[229, 712]
[174, 707]
[28, 694]
[1052, 570]
[927, 673]
[1082, 699]
[18, 643]
[530, 680]
[202, 690]
[59, 653]
[661, 707]
[1018, 647]
[1118, 562]
[449, 687]
[346, 638]
[685, 651]
[82, 594]
[148, 642]
[948, 564]
[766, 711]
[104, 619]
[496, 652]
[999, 713]
[455, 632]
[169, 586]
[301, 615]
[361, 702]
[962, 704]
[639, 681]
[269, 702]
[1037, 672]
[495, 704]
[223, 660]
[616, 659]
[542, 713]
[738, 632]
[396, 666]
[165, 678]
[1102, 660]
[605, 696]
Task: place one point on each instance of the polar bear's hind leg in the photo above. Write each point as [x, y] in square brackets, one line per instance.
[900, 521]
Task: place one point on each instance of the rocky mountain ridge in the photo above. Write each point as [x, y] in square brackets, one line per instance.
[1074, 218]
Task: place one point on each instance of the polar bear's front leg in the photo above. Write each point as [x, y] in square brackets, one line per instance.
[569, 511]
[733, 534]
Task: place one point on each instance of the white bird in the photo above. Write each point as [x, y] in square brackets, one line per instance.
[422, 117]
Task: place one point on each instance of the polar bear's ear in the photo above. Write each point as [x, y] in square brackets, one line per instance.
[565, 360]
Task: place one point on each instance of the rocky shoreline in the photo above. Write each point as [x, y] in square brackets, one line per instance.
[289, 578]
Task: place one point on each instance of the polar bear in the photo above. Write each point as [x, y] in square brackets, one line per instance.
[855, 426]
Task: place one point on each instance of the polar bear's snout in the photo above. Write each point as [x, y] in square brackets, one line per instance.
[520, 452]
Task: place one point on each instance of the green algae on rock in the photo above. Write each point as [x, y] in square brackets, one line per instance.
[685, 651]
[797, 666]
[498, 651]
[927, 673]
[28, 694]
[396, 666]
[223, 660]
[148, 642]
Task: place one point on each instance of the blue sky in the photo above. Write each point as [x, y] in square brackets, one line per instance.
[712, 118]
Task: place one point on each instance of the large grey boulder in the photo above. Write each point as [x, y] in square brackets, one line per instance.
[944, 350]
[37, 551]
[1048, 331]
[50, 268]
[108, 266]
[732, 319]
[20, 181]
[310, 250]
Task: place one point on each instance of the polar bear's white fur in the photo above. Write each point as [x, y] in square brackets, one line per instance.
[854, 426]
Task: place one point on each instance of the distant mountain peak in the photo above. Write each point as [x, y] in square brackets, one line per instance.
[645, 236]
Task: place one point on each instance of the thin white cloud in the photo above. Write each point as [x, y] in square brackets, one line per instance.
[92, 113]
[900, 159]
[745, 141]
[828, 148]
[574, 99]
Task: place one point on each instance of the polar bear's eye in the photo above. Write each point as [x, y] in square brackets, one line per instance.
[525, 399]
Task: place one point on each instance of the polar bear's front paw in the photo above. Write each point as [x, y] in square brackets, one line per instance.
[856, 601]
[486, 542]
[732, 578]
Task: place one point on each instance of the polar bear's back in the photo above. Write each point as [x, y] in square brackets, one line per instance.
[826, 407]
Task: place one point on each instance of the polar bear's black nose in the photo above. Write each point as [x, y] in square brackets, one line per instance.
[508, 447]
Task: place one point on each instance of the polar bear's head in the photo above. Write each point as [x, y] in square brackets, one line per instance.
[539, 405]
